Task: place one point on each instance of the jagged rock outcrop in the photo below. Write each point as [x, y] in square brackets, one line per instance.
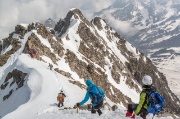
[20, 30]
[15, 77]
[34, 43]
[63, 24]
[15, 43]
[67, 74]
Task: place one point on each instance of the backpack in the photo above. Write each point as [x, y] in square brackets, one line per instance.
[97, 95]
[156, 102]
[60, 97]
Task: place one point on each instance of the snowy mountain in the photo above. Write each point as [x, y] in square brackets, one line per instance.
[29, 88]
[148, 24]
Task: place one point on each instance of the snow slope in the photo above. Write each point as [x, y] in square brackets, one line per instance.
[41, 90]
[43, 86]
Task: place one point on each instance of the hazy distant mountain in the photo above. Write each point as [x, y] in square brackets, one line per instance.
[49, 23]
[156, 22]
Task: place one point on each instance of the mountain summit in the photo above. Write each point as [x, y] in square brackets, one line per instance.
[72, 46]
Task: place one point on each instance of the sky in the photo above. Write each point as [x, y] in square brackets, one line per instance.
[13, 12]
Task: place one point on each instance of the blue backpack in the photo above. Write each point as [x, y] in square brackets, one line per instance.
[97, 94]
[156, 102]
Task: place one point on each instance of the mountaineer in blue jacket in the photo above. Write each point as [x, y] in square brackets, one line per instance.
[96, 94]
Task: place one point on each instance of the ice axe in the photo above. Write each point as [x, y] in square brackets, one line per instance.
[77, 109]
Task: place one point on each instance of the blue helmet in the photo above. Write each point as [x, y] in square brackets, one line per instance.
[88, 82]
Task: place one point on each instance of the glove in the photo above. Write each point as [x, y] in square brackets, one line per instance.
[78, 104]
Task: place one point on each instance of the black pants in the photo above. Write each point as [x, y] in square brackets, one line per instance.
[97, 108]
[143, 112]
[60, 104]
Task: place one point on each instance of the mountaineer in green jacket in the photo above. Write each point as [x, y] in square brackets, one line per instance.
[141, 108]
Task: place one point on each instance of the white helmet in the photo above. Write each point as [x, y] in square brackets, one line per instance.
[147, 80]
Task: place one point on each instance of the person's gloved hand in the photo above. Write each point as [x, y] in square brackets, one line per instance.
[78, 104]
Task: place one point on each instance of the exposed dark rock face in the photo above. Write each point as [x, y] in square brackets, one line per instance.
[20, 30]
[8, 95]
[114, 107]
[63, 24]
[56, 45]
[67, 74]
[35, 43]
[96, 22]
[18, 78]
[78, 84]
[32, 26]
[6, 43]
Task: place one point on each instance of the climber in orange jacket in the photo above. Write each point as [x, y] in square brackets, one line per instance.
[60, 98]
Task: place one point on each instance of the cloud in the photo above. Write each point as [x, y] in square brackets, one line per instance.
[13, 12]
[124, 27]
